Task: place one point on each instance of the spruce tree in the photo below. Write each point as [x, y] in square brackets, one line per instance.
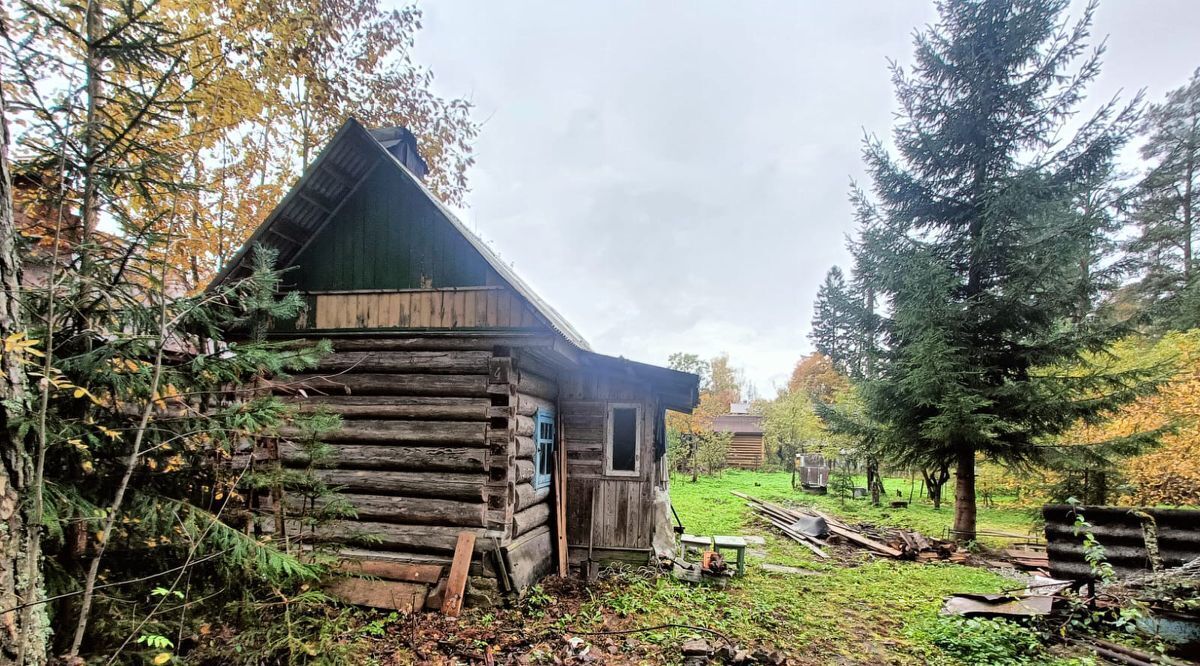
[833, 331]
[1166, 209]
[976, 252]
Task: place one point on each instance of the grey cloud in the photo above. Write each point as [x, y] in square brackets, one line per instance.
[673, 176]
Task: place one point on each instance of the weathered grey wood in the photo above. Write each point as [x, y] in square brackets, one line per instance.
[386, 384]
[524, 426]
[530, 557]
[405, 510]
[470, 433]
[446, 485]
[428, 362]
[527, 495]
[479, 567]
[505, 390]
[526, 448]
[535, 516]
[537, 386]
[606, 556]
[390, 536]
[385, 457]
[426, 408]
[391, 570]
[529, 363]
[524, 471]
[500, 371]
[442, 342]
[505, 412]
[527, 405]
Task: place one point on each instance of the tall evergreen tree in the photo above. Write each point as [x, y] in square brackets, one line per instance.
[976, 253]
[1167, 207]
[833, 330]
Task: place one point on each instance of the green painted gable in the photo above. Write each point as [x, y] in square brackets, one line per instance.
[388, 235]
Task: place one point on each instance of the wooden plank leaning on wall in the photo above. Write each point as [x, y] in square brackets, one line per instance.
[560, 495]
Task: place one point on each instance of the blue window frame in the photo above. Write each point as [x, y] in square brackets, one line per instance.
[543, 439]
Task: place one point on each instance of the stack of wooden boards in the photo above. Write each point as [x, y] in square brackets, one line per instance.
[894, 543]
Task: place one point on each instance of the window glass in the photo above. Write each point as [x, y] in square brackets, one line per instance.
[543, 435]
[623, 455]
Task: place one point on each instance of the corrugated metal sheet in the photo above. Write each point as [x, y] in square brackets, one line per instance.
[1121, 530]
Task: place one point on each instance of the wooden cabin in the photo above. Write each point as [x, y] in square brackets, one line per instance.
[747, 448]
[468, 403]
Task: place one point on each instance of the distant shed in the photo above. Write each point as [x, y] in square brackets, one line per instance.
[468, 403]
[747, 449]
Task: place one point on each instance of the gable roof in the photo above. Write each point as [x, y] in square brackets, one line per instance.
[739, 424]
[341, 166]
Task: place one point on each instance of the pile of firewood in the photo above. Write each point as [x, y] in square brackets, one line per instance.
[894, 543]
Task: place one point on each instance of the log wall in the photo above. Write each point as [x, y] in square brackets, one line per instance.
[536, 388]
[427, 448]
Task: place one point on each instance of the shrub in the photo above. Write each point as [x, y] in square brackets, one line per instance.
[979, 641]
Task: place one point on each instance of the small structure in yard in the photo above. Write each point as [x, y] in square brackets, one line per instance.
[746, 450]
[811, 473]
[469, 405]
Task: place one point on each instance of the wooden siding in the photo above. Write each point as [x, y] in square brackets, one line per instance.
[388, 235]
[469, 308]
[746, 451]
[623, 505]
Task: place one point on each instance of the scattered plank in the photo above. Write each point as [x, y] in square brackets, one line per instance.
[851, 535]
[386, 594]
[900, 544]
[456, 584]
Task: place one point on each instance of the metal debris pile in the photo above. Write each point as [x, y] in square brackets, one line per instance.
[816, 530]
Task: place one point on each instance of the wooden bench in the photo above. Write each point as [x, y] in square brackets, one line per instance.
[735, 543]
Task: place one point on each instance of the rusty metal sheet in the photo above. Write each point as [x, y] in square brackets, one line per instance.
[991, 605]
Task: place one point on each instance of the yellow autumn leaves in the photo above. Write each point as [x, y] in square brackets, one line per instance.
[1170, 473]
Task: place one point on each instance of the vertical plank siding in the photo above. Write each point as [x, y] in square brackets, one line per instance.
[462, 308]
[624, 504]
[389, 235]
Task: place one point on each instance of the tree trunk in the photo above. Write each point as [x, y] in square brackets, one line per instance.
[692, 446]
[22, 632]
[964, 495]
[935, 480]
[874, 481]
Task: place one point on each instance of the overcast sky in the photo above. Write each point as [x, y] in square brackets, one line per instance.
[672, 176]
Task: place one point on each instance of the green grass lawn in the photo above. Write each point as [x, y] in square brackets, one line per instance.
[866, 611]
[708, 507]
[854, 609]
